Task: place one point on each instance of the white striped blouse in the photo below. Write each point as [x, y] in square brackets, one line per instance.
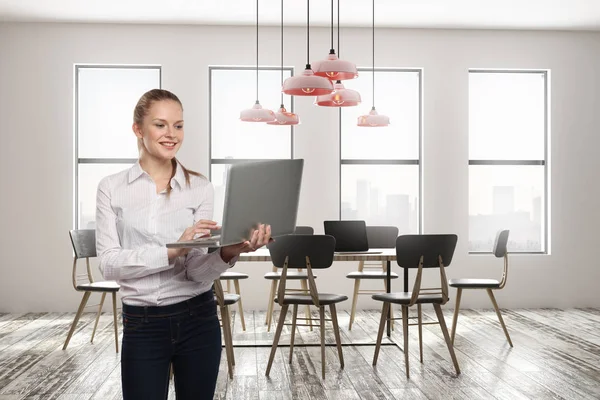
[133, 225]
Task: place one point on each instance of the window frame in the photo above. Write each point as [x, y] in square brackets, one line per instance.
[230, 161]
[545, 73]
[77, 159]
[418, 161]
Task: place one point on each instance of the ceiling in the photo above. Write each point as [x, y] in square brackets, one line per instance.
[469, 14]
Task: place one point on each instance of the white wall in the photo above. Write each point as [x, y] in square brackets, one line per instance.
[36, 154]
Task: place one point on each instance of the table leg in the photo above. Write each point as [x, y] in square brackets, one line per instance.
[388, 290]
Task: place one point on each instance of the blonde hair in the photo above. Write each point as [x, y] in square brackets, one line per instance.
[142, 108]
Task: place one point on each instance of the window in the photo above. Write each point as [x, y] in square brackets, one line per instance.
[233, 89]
[105, 97]
[380, 169]
[508, 130]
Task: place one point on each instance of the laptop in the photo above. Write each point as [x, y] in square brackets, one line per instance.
[266, 192]
[350, 236]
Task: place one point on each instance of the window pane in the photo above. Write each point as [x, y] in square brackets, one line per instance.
[235, 90]
[506, 197]
[382, 195]
[397, 95]
[89, 175]
[106, 99]
[506, 116]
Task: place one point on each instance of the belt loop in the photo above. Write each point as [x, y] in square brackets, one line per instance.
[146, 314]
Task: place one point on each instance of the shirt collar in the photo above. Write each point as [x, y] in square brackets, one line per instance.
[136, 171]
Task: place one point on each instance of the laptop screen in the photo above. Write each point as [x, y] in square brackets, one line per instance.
[349, 235]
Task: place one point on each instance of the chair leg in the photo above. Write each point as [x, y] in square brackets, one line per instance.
[322, 327]
[283, 312]
[336, 331]
[294, 315]
[304, 286]
[98, 316]
[225, 321]
[391, 311]
[455, 317]
[442, 321]
[382, 323]
[420, 321]
[405, 334]
[354, 301]
[271, 305]
[114, 301]
[84, 300]
[499, 316]
[240, 306]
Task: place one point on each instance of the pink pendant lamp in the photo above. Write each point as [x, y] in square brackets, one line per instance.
[341, 97]
[282, 116]
[373, 119]
[307, 84]
[332, 67]
[257, 113]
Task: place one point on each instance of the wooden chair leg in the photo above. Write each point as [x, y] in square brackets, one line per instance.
[226, 322]
[322, 328]
[420, 323]
[336, 331]
[499, 316]
[354, 301]
[114, 301]
[240, 306]
[292, 337]
[282, 314]
[304, 286]
[84, 300]
[442, 321]
[391, 310]
[455, 317]
[405, 334]
[271, 305]
[382, 323]
[98, 316]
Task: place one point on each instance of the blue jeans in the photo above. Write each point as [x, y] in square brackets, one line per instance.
[185, 334]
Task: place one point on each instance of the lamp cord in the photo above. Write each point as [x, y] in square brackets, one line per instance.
[282, 52]
[256, 51]
[373, 72]
[338, 26]
[332, 24]
[307, 34]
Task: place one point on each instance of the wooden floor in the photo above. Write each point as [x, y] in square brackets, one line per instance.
[556, 356]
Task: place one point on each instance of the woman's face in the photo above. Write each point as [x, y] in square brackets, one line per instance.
[162, 130]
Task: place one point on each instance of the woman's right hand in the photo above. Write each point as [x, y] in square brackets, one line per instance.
[199, 229]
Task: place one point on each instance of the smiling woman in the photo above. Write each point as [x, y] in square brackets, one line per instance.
[169, 311]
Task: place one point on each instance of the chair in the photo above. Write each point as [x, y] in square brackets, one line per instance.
[488, 284]
[84, 246]
[229, 276]
[378, 237]
[224, 300]
[274, 276]
[420, 251]
[305, 252]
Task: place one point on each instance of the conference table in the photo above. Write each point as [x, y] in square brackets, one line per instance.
[387, 255]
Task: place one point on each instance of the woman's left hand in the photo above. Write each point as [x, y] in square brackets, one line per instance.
[258, 238]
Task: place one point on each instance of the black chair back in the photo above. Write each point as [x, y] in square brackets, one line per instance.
[304, 230]
[501, 243]
[382, 237]
[319, 248]
[410, 248]
[84, 242]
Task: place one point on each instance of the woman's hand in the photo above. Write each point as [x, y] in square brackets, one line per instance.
[199, 229]
[258, 238]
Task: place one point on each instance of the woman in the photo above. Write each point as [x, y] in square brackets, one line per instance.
[169, 313]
